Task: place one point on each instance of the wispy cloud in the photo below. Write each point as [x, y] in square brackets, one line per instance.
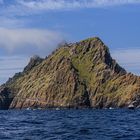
[25, 7]
[20, 8]
[18, 39]
[71, 4]
[29, 41]
[129, 58]
[11, 65]
[20, 45]
[8, 22]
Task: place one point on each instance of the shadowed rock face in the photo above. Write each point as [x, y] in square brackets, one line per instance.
[77, 75]
[5, 98]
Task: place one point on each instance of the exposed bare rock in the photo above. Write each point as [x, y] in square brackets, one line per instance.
[34, 61]
[76, 75]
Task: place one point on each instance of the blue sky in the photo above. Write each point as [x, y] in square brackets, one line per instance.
[29, 27]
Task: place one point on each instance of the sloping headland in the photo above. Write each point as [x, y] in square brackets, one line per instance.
[77, 75]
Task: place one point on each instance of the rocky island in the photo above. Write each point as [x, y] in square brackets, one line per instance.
[76, 75]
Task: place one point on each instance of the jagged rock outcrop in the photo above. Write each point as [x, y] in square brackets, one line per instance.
[76, 75]
[34, 61]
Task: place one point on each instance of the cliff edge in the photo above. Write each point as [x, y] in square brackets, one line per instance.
[76, 75]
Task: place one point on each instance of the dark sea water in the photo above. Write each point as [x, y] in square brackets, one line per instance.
[70, 124]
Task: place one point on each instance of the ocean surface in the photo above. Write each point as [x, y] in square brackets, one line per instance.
[85, 124]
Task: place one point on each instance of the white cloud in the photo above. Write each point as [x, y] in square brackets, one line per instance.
[29, 41]
[71, 4]
[129, 58]
[29, 7]
[8, 22]
[11, 65]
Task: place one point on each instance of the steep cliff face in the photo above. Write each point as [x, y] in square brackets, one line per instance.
[5, 99]
[81, 74]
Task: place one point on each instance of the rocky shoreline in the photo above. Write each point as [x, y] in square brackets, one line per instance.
[76, 75]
